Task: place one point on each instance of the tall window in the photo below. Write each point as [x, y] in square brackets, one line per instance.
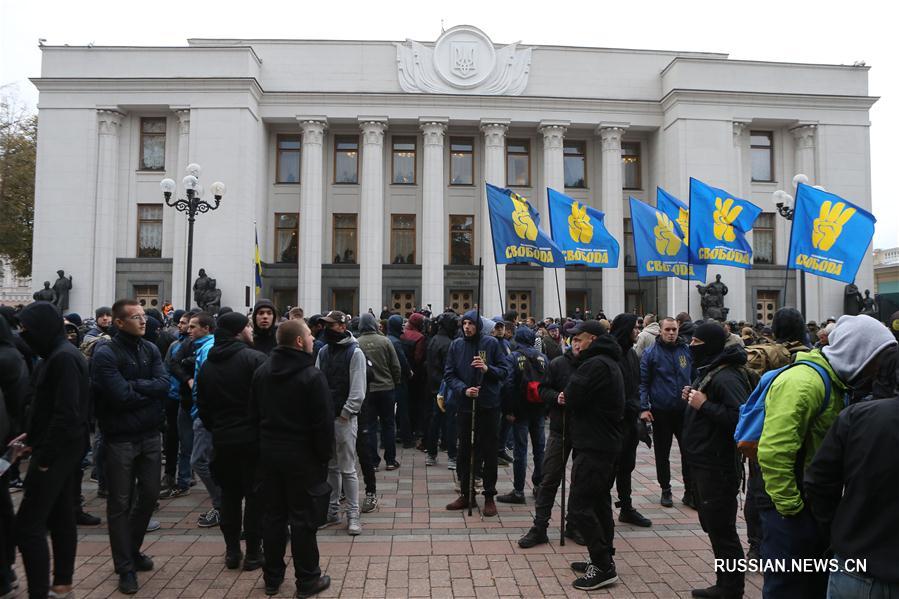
[152, 143]
[518, 163]
[286, 237]
[288, 164]
[345, 239]
[402, 238]
[575, 163]
[461, 238]
[630, 165]
[763, 239]
[346, 159]
[149, 230]
[461, 161]
[630, 256]
[761, 148]
[404, 161]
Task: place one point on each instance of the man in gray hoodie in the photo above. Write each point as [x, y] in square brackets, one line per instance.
[343, 364]
[648, 335]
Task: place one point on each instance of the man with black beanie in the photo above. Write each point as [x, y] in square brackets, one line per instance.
[56, 436]
[264, 327]
[223, 396]
[720, 387]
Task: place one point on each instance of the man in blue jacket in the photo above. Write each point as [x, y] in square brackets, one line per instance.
[664, 371]
[475, 370]
[201, 329]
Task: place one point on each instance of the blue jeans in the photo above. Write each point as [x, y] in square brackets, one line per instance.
[383, 407]
[852, 585]
[789, 537]
[201, 461]
[185, 448]
[443, 425]
[522, 428]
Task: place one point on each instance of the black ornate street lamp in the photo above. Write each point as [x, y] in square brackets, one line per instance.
[191, 206]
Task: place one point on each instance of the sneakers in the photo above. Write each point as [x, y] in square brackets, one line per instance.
[665, 500]
[331, 521]
[580, 567]
[16, 485]
[142, 562]
[512, 497]
[535, 536]
[82, 518]
[174, 492]
[314, 587]
[460, 503]
[632, 516]
[594, 578]
[489, 507]
[153, 525]
[431, 460]
[128, 583]
[232, 559]
[209, 519]
[354, 527]
[393, 465]
[450, 464]
[369, 503]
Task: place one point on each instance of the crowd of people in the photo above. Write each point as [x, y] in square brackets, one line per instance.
[273, 414]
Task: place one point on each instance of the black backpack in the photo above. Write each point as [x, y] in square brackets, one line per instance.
[533, 374]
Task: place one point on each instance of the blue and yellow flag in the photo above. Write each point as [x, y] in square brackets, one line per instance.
[719, 222]
[660, 248]
[676, 211]
[580, 233]
[257, 265]
[830, 235]
[515, 229]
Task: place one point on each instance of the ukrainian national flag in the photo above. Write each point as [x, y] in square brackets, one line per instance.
[257, 265]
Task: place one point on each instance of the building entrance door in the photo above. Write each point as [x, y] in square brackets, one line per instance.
[460, 300]
[520, 301]
[147, 295]
[574, 298]
[766, 306]
[345, 300]
[402, 303]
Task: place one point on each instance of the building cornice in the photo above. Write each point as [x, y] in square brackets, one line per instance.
[748, 98]
[731, 61]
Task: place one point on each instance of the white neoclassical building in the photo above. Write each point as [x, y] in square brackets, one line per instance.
[362, 165]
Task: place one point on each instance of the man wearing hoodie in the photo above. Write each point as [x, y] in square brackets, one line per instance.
[624, 330]
[223, 395]
[415, 345]
[648, 335]
[665, 370]
[130, 384]
[475, 371]
[886, 384]
[380, 401]
[595, 396]
[344, 367]
[394, 333]
[796, 421]
[720, 387]
[525, 410]
[438, 346]
[55, 436]
[264, 327]
[179, 432]
[291, 407]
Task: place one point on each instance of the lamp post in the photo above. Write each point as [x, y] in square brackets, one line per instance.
[191, 206]
[784, 204]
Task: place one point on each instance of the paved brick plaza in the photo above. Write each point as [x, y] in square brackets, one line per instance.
[412, 547]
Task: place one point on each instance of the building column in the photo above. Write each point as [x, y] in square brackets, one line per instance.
[553, 176]
[312, 199]
[492, 301]
[433, 226]
[804, 162]
[175, 223]
[371, 215]
[109, 123]
[613, 207]
[735, 278]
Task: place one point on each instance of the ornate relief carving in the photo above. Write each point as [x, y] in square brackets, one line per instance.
[109, 121]
[313, 131]
[183, 121]
[494, 134]
[373, 132]
[463, 60]
[611, 137]
[553, 136]
[805, 136]
[433, 133]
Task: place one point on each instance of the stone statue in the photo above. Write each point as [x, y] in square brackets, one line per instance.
[62, 286]
[46, 294]
[869, 306]
[713, 300]
[852, 300]
[206, 296]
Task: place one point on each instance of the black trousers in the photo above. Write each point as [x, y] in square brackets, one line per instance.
[366, 439]
[715, 493]
[47, 506]
[754, 486]
[627, 461]
[286, 501]
[665, 425]
[132, 478]
[235, 468]
[486, 424]
[171, 438]
[591, 503]
[7, 532]
[554, 459]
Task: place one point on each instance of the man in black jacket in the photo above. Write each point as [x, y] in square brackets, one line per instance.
[291, 406]
[624, 330]
[438, 346]
[223, 395]
[850, 488]
[130, 385]
[264, 328]
[56, 436]
[595, 396]
[721, 386]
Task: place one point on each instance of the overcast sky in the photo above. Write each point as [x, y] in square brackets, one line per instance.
[823, 31]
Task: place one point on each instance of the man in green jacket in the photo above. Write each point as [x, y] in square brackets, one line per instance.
[796, 421]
